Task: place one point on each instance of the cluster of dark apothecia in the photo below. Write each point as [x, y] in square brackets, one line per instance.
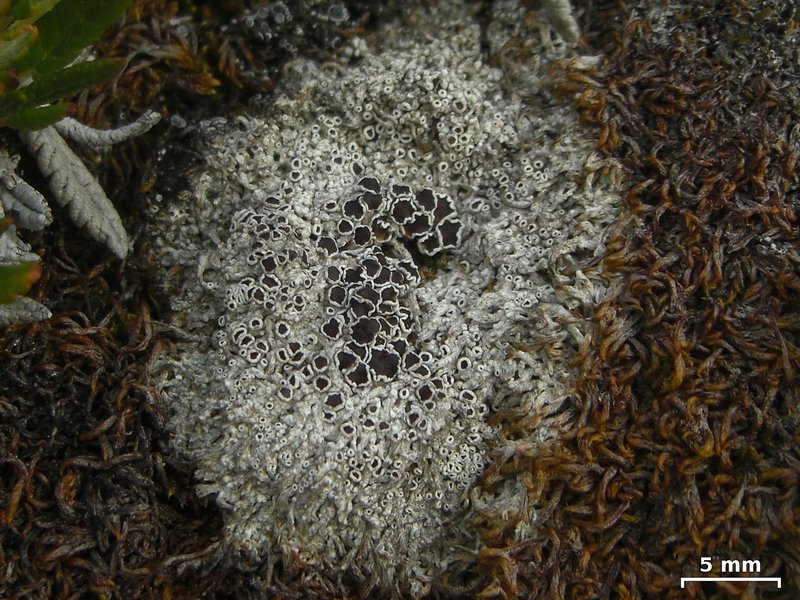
[427, 218]
[366, 333]
[340, 408]
[365, 316]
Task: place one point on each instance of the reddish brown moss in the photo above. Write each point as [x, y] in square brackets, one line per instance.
[687, 439]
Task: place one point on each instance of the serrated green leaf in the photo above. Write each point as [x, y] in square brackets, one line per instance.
[68, 28]
[31, 119]
[61, 84]
[17, 279]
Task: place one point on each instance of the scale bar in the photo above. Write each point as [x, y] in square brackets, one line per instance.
[777, 580]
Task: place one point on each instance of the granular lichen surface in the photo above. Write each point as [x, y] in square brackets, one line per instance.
[390, 251]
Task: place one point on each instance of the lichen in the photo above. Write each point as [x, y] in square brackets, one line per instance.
[338, 405]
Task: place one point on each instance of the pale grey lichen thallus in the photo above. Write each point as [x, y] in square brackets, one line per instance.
[388, 252]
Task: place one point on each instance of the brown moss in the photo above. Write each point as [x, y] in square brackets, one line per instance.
[686, 443]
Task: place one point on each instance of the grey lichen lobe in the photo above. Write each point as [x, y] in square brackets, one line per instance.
[363, 257]
[101, 139]
[29, 210]
[73, 185]
[20, 199]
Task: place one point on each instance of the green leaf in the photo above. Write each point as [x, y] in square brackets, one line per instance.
[30, 10]
[73, 79]
[21, 9]
[17, 279]
[13, 49]
[31, 119]
[22, 15]
[61, 84]
[67, 29]
[10, 103]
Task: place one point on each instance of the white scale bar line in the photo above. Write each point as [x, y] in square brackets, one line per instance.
[777, 580]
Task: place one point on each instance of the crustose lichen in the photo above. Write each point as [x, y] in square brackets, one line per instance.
[338, 409]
